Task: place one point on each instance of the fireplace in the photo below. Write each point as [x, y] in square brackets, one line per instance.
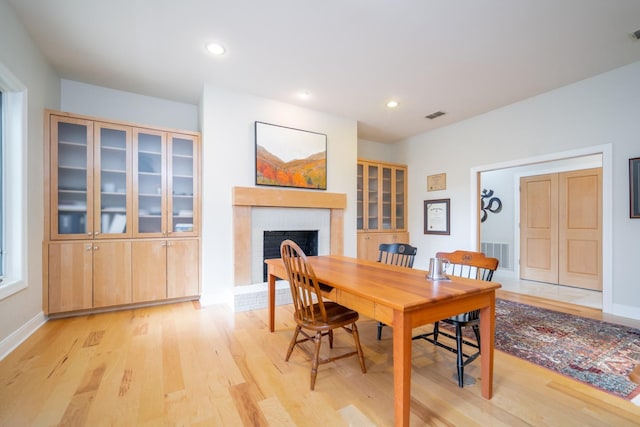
[248, 224]
[259, 209]
[280, 220]
[306, 239]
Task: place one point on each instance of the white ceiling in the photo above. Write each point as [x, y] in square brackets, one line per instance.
[463, 57]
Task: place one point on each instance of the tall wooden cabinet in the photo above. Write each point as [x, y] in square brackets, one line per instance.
[110, 187]
[381, 206]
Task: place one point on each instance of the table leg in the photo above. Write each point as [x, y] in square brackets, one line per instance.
[487, 339]
[401, 368]
[271, 290]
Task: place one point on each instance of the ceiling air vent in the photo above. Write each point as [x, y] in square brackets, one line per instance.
[435, 115]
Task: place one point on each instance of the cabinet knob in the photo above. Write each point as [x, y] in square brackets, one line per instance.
[96, 247]
[89, 234]
[88, 247]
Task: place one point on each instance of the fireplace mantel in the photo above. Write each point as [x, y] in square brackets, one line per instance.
[246, 198]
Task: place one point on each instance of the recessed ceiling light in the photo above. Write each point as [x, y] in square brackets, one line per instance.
[392, 104]
[216, 48]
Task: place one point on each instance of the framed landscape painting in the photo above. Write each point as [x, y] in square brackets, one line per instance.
[288, 157]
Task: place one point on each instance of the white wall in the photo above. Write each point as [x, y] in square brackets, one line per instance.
[371, 150]
[229, 161]
[21, 312]
[111, 104]
[594, 112]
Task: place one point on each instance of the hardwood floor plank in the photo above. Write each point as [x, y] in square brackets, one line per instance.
[183, 364]
[276, 414]
[246, 400]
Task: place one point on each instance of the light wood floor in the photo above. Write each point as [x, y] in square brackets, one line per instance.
[183, 364]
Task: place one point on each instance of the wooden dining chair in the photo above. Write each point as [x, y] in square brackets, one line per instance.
[472, 265]
[312, 313]
[401, 254]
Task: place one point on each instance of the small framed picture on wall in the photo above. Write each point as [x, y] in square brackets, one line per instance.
[634, 187]
[436, 216]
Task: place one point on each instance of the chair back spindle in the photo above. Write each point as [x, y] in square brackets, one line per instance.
[400, 254]
[472, 265]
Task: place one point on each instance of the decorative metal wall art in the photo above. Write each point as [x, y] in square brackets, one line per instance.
[494, 205]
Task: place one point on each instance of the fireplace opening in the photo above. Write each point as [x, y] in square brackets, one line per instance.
[306, 239]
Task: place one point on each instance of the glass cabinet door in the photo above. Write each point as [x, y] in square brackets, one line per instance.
[181, 175]
[112, 186]
[387, 201]
[149, 183]
[71, 178]
[372, 197]
[400, 199]
[360, 197]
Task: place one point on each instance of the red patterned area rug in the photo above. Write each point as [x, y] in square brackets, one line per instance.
[597, 353]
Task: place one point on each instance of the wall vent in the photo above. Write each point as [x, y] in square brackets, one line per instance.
[435, 115]
[498, 250]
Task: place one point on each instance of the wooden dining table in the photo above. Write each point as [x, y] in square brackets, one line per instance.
[402, 298]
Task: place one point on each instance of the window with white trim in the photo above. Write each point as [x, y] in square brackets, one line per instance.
[13, 169]
[2, 269]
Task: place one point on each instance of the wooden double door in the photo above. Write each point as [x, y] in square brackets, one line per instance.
[561, 228]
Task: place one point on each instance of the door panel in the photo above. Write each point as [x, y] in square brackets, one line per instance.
[70, 270]
[561, 228]
[111, 273]
[149, 270]
[183, 267]
[580, 231]
[539, 228]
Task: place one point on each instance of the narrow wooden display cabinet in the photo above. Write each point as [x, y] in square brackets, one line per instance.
[381, 206]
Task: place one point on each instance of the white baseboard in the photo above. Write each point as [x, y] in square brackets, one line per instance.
[625, 311]
[10, 343]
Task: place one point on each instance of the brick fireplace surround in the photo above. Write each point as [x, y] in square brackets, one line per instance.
[246, 198]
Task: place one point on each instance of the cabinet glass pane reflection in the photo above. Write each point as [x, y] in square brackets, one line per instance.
[72, 192]
[150, 186]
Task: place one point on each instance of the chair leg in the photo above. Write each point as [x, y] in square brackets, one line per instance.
[436, 331]
[293, 343]
[476, 331]
[356, 338]
[460, 355]
[380, 325]
[316, 358]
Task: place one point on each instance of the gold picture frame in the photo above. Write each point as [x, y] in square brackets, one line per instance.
[437, 182]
